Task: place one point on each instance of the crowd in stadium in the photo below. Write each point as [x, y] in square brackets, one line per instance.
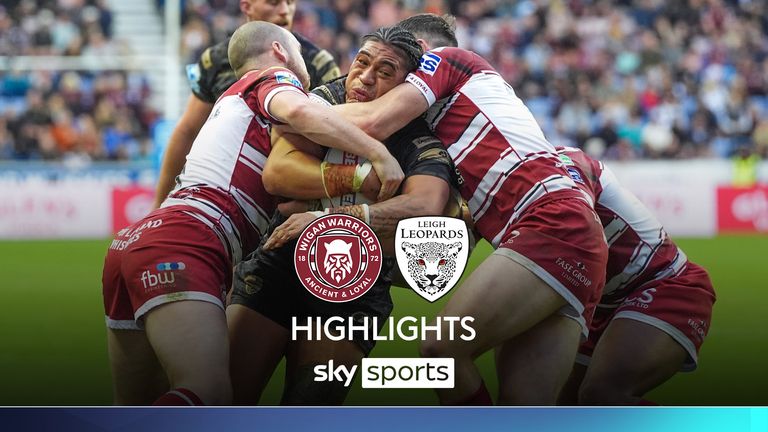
[622, 79]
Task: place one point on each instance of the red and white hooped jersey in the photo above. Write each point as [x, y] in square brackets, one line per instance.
[221, 182]
[506, 163]
[639, 249]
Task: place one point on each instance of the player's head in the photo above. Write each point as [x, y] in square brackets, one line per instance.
[432, 30]
[259, 45]
[383, 61]
[279, 12]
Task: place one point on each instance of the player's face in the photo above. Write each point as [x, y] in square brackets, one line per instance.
[278, 12]
[377, 69]
[296, 61]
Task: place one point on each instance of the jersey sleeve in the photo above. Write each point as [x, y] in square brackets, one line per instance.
[271, 83]
[211, 75]
[419, 152]
[441, 73]
[322, 68]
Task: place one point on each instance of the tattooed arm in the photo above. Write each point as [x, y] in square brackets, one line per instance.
[423, 195]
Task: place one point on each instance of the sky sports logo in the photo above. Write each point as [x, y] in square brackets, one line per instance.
[391, 373]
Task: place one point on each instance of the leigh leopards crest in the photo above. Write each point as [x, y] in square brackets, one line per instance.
[432, 253]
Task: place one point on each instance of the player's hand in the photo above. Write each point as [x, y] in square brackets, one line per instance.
[289, 230]
[293, 206]
[390, 174]
[371, 186]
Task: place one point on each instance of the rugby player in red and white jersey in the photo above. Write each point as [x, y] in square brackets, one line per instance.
[656, 305]
[165, 277]
[548, 269]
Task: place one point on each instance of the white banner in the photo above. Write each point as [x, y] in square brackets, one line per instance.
[682, 194]
[55, 209]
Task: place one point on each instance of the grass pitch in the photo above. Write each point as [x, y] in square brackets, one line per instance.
[53, 350]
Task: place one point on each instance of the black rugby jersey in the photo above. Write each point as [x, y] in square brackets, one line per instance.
[212, 74]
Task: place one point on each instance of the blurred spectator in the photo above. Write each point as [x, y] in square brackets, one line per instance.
[624, 79]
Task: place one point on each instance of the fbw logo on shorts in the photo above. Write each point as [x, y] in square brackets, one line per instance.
[432, 253]
[338, 258]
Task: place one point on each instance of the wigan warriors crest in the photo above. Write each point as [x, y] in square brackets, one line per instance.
[338, 258]
[432, 253]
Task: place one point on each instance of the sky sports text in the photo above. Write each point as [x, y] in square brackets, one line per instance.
[390, 373]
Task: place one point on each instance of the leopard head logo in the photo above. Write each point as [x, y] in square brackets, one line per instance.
[431, 264]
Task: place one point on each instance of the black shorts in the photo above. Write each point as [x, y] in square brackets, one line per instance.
[266, 282]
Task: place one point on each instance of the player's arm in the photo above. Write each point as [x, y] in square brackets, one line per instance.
[422, 195]
[321, 125]
[294, 169]
[384, 116]
[179, 144]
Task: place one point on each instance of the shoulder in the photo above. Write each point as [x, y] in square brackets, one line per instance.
[308, 49]
[333, 91]
[215, 57]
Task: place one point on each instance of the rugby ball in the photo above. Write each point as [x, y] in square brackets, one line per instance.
[340, 157]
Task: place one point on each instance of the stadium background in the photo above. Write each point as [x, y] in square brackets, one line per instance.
[672, 95]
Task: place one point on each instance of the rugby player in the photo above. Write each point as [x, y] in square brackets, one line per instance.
[165, 277]
[267, 291]
[656, 306]
[212, 75]
[522, 201]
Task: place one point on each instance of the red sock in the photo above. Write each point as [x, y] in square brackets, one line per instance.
[646, 402]
[179, 397]
[480, 397]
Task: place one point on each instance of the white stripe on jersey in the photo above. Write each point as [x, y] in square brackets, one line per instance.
[277, 90]
[250, 165]
[230, 236]
[498, 102]
[477, 130]
[614, 230]
[641, 258]
[548, 185]
[439, 109]
[256, 215]
[254, 156]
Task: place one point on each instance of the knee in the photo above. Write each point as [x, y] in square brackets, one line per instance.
[432, 347]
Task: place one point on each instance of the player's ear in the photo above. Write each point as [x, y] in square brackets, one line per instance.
[279, 51]
[245, 5]
[423, 44]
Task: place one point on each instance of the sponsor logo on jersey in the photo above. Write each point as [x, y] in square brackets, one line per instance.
[566, 160]
[429, 63]
[575, 175]
[193, 76]
[288, 78]
[432, 254]
[338, 258]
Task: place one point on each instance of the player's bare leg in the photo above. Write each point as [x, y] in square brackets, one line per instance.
[506, 299]
[630, 359]
[190, 340]
[137, 377]
[540, 358]
[303, 356]
[569, 395]
[256, 346]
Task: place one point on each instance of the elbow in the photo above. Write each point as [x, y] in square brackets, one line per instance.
[372, 126]
[271, 180]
